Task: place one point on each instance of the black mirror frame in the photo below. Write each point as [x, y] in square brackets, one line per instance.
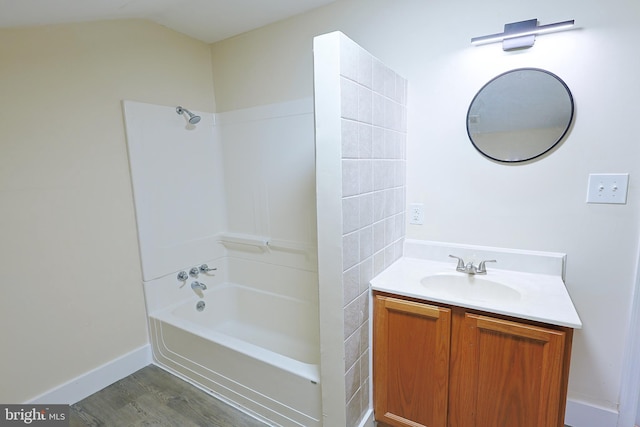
[552, 146]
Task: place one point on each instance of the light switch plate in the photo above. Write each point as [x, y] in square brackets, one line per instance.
[608, 188]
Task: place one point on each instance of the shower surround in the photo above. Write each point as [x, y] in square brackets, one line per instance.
[236, 191]
[221, 192]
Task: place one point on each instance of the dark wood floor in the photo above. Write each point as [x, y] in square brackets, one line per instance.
[153, 397]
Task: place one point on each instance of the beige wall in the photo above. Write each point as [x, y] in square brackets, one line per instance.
[69, 267]
[469, 199]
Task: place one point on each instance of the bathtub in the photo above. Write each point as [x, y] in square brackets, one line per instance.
[253, 348]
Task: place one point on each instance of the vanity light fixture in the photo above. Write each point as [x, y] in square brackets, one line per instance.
[522, 34]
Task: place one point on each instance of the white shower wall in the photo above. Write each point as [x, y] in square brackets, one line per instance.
[268, 153]
[247, 172]
[178, 186]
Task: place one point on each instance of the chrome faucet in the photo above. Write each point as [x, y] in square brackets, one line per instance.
[198, 286]
[204, 268]
[469, 268]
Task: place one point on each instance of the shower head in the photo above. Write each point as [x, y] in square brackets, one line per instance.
[193, 119]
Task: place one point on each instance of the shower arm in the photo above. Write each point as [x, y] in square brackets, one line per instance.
[193, 119]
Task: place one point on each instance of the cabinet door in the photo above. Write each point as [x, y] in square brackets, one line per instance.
[410, 362]
[505, 374]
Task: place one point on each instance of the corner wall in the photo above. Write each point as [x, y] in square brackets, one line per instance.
[360, 148]
[72, 297]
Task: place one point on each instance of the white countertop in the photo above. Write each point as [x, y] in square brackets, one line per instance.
[543, 297]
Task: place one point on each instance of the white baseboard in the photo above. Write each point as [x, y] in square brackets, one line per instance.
[90, 382]
[580, 414]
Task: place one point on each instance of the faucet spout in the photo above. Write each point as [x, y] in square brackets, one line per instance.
[470, 268]
[198, 286]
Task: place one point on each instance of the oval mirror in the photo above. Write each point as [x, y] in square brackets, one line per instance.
[520, 115]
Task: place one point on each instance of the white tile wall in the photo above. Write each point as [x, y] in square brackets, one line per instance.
[373, 103]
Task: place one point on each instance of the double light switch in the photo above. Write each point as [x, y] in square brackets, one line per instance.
[608, 188]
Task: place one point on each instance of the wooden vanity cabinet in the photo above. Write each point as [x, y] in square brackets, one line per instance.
[444, 366]
[411, 351]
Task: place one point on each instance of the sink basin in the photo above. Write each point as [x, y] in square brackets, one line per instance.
[524, 294]
[470, 287]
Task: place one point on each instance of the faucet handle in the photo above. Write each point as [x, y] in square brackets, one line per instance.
[460, 266]
[482, 268]
[204, 268]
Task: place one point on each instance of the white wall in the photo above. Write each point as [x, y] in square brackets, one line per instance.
[469, 199]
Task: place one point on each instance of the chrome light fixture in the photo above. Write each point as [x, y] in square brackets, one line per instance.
[522, 34]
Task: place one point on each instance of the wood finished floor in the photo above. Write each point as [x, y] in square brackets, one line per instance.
[153, 397]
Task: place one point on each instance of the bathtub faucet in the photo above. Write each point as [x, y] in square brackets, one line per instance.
[198, 285]
[204, 268]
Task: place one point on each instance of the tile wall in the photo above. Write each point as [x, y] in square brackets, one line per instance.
[373, 137]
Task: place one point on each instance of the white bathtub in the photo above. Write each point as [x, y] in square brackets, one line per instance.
[255, 348]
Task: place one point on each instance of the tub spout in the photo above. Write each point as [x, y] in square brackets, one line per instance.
[198, 287]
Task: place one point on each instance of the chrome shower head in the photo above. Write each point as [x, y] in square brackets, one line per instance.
[193, 119]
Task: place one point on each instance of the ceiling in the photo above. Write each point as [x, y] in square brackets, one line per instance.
[206, 20]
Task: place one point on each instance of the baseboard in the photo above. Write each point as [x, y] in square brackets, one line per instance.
[580, 414]
[367, 420]
[95, 380]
